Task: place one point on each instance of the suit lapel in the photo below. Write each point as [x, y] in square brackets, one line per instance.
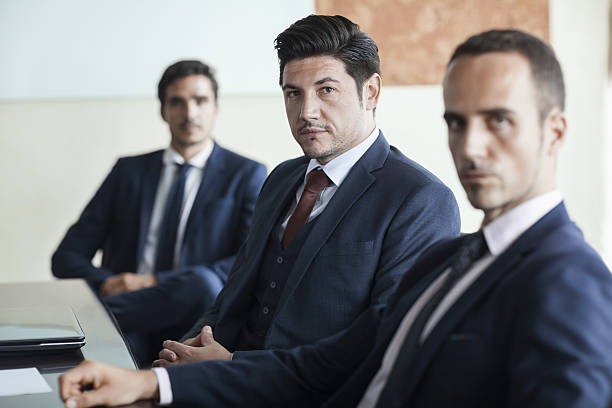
[356, 183]
[506, 263]
[276, 203]
[213, 180]
[272, 204]
[150, 181]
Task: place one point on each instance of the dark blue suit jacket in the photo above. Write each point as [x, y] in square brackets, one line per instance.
[534, 330]
[386, 212]
[117, 218]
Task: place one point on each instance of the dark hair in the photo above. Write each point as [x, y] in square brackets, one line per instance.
[333, 36]
[545, 68]
[182, 69]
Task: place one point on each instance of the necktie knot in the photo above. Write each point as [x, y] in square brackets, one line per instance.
[183, 169]
[473, 248]
[316, 181]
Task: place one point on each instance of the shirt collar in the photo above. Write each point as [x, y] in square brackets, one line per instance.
[171, 156]
[338, 168]
[506, 228]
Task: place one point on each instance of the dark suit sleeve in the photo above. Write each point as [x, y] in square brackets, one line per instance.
[254, 177]
[426, 216]
[561, 350]
[72, 259]
[301, 377]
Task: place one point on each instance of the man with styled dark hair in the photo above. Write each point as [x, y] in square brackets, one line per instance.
[514, 315]
[334, 36]
[334, 230]
[169, 222]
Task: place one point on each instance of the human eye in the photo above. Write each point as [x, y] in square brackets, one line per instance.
[454, 123]
[326, 90]
[201, 100]
[175, 102]
[291, 93]
[499, 122]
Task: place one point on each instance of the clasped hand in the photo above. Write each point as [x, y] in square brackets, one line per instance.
[126, 282]
[203, 347]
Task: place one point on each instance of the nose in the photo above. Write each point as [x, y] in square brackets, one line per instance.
[475, 140]
[311, 109]
[191, 109]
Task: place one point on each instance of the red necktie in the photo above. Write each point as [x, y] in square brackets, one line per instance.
[316, 181]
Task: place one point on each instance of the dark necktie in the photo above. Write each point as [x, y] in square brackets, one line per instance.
[472, 249]
[172, 214]
[316, 181]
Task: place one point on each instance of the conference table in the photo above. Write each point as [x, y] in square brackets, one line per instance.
[104, 341]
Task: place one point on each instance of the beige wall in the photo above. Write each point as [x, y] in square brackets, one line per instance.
[56, 153]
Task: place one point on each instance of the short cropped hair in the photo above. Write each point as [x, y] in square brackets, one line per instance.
[182, 69]
[334, 36]
[545, 68]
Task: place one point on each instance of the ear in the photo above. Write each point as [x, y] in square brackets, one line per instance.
[371, 91]
[555, 127]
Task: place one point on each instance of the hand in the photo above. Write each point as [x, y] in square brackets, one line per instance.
[203, 347]
[126, 282]
[109, 385]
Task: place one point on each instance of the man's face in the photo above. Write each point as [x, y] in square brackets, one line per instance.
[325, 113]
[503, 153]
[190, 110]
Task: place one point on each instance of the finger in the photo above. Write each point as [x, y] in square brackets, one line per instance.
[168, 355]
[193, 341]
[206, 336]
[89, 399]
[72, 381]
[162, 363]
[175, 347]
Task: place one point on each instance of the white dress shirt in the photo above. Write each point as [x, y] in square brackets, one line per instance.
[499, 234]
[169, 171]
[337, 170]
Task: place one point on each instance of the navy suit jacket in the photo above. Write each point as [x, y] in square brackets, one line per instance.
[117, 218]
[384, 214]
[534, 330]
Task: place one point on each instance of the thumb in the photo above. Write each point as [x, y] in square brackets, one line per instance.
[206, 336]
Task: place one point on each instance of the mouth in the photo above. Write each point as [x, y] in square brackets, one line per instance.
[190, 126]
[472, 176]
[312, 133]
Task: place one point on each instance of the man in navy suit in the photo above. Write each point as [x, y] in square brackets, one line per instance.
[169, 237]
[376, 210]
[516, 315]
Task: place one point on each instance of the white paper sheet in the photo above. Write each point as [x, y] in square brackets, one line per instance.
[22, 381]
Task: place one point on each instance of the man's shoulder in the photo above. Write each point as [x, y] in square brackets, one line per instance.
[566, 246]
[560, 257]
[290, 165]
[398, 166]
[234, 159]
[140, 159]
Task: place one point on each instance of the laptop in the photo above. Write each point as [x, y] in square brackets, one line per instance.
[39, 329]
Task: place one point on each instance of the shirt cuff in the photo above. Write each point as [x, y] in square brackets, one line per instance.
[165, 388]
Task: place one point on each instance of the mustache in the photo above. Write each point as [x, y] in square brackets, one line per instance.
[470, 165]
[191, 123]
[308, 125]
